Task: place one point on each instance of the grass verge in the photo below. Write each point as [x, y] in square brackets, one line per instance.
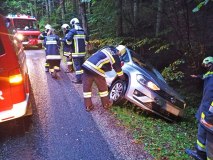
[162, 139]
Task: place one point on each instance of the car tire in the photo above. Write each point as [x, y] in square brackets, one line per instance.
[117, 92]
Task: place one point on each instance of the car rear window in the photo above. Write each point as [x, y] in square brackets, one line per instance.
[2, 51]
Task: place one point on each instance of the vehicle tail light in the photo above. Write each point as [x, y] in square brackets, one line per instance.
[17, 86]
[15, 79]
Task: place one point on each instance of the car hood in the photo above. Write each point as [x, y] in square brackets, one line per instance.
[159, 81]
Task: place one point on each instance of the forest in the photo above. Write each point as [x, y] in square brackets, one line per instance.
[175, 36]
[173, 32]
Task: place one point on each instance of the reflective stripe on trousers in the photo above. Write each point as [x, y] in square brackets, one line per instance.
[88, 79]
[78, 67]
[201, 138]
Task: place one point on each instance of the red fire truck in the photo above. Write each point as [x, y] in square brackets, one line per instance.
[25, 29]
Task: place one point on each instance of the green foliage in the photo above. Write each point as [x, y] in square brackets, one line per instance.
[102, 20]
[161, 139]
[172, 72]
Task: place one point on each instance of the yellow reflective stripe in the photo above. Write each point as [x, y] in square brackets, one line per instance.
[79, 36]
[108, 54]
[120, 73]
[47, 65]
[56, 68]
[67, 53]
[200, 145]
[94, 68]
[51, 70]
[51, 42]
[208, 74]
[211, 109]
[202, 115]
[78, 54]
[104, 62]
[69, 63]
[103, 94]
[87, 94]
[68, 42]
[79, 72]
[208, 158]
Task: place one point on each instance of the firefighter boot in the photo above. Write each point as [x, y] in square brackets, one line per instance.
[109, 105]
[196, 154]
[69, 69]
[89, 108]
[53, 74]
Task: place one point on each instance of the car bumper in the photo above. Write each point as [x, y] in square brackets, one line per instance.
[149, 100]
[17, 111]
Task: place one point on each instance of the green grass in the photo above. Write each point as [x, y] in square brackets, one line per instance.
[162, 139]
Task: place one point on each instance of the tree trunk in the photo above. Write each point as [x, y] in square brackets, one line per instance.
[119, 20]
[82, 12]
[50, 7]
[35, 8]
[75, 7]
[158, 21]
[47, 10]
[62, 10]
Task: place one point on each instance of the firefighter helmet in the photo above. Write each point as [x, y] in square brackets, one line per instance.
[208, 63]
[65, 26]
[48, 26]
[121, 49]
[74, 21]
[208, 60]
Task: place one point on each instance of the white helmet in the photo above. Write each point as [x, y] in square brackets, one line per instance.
[74, 21]
[48, 27]
[121, 49]
[65, 26]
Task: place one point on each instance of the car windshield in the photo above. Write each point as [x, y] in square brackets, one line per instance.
[25, 24]
[141, 62]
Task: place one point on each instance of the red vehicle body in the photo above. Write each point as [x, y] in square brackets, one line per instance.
[14, 79]
[26, 29]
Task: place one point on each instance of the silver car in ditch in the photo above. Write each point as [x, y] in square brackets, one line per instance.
[145, 87]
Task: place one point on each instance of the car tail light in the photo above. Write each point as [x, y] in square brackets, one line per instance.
[17, 86]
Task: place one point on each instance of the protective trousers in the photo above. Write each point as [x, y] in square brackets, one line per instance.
[209, 146]
[201, 138]
[68, 60]
[88, 79]
[78, 61]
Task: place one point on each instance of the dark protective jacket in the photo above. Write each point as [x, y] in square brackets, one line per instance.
[207, 94]
[66, 47]
[208, 117]
[77, 39]
[104, 60]
[52, 45]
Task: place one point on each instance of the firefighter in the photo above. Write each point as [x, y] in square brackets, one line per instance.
[94, 71]
[44, 33]
[200, 152]
[207, 123]
[42, 36]
[53, 58]
[77, 39]
[67, 49]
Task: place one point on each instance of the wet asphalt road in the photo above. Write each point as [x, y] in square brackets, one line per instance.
[61, 129]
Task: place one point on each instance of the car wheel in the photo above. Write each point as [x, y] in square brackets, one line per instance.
[117, 92]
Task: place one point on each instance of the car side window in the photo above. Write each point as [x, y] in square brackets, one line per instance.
[125, 58]
[2, 51]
